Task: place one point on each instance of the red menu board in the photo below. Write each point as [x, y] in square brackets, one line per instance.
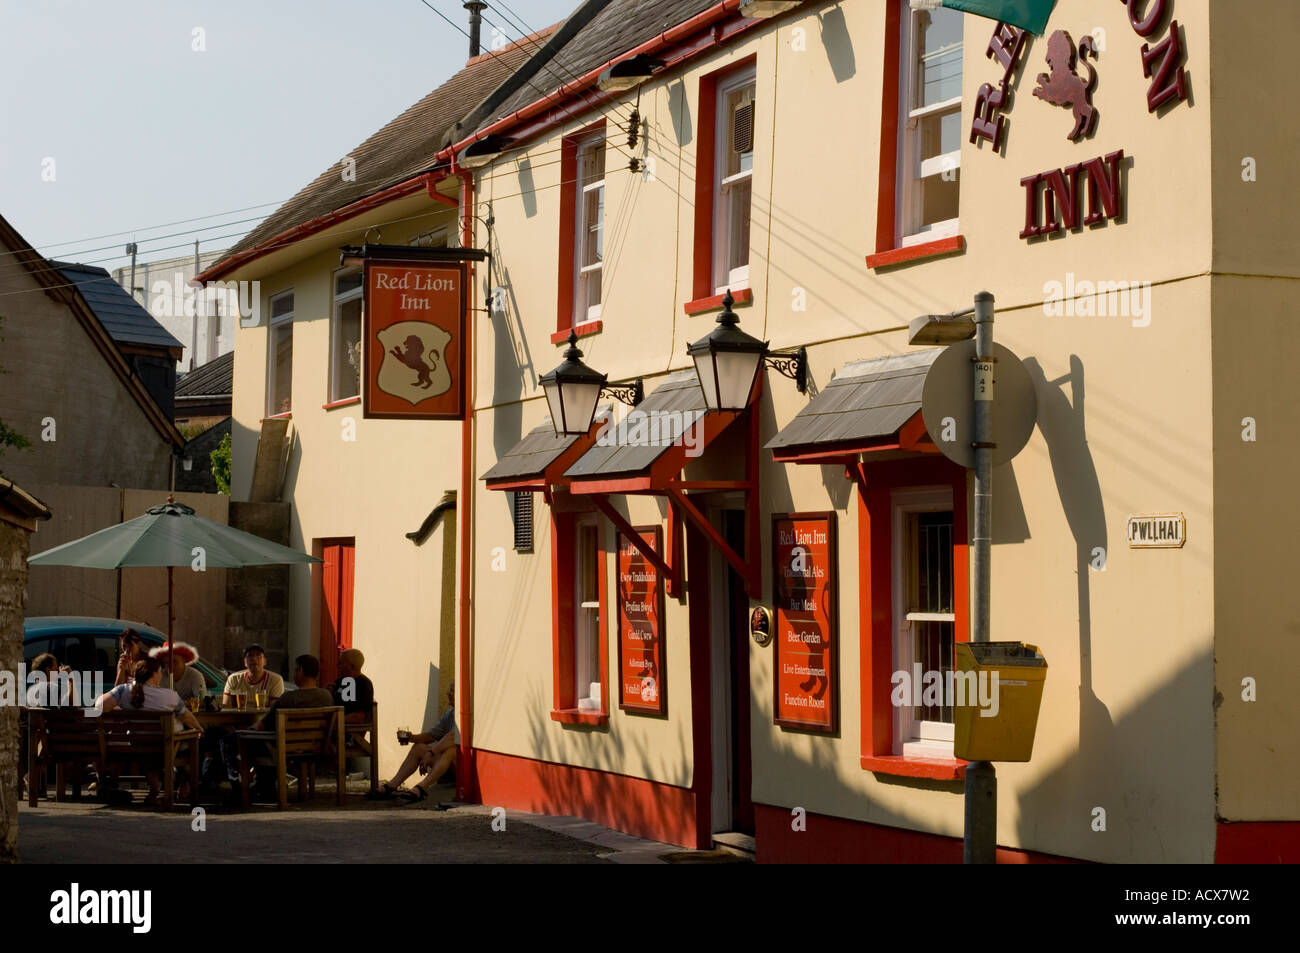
[414, 330]
[642, 687]
[807, 642]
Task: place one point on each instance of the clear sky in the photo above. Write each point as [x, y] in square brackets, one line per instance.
[143, 128]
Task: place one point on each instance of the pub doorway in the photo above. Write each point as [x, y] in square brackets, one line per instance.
[732, 807]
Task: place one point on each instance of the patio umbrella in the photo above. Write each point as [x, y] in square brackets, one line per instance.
[168, 535]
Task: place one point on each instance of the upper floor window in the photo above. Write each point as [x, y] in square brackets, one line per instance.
[733, 181]
[345, 336]
[280, 356]
[589, 233]
[930, 124]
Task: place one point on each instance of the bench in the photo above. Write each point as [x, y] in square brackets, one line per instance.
[150, 738]
[63, 738]
[68, 737]
[302, 736]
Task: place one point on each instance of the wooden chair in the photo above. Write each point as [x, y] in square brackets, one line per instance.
[150, 738]
[363, 736]
[302, 736]
[62, 737]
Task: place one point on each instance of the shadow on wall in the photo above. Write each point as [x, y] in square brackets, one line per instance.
[679, 108]
[1062, 423]
[434, 701]
[527, 187]
[1151, 815]
[838, 44]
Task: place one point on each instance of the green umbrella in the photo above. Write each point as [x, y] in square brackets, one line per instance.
[170, 535]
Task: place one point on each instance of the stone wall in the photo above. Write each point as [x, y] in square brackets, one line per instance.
[257, 597]
[13, 584]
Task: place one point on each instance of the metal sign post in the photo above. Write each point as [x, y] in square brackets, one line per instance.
[980, 844]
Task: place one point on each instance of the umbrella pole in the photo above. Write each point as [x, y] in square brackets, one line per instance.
[171, 622]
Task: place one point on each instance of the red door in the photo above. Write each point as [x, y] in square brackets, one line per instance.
[336, 604]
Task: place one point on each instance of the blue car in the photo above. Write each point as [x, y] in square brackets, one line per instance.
[89, 644]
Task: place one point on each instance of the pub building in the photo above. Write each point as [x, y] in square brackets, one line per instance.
[710, 540]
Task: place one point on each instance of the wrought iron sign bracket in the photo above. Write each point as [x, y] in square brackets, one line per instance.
[793, 366]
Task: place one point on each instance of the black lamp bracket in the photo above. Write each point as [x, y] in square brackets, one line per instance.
[630, 394]
[793, 366]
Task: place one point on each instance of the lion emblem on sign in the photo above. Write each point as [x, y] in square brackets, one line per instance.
[1063, 86]
[415, 366]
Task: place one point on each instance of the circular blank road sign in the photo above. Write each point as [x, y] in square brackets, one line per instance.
[947, 405]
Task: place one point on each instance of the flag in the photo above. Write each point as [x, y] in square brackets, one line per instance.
[1031, 15]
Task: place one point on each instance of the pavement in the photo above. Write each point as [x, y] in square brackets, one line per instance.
[319, 832]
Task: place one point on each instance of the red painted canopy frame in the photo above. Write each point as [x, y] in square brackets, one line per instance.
[663, 478]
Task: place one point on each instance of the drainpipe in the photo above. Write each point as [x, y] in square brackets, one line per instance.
[466, 781]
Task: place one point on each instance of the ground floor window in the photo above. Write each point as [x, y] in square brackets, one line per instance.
[579, 640]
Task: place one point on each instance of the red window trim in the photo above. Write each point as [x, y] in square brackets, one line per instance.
[287, 415]
[705, 164]
[921, 252]
[564, 526]
[346, 401]
[569, 222]
[743, 296]
[875, 605]
[581, 330]
[887, 250]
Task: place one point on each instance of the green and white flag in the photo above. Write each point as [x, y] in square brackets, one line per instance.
[1029, 15]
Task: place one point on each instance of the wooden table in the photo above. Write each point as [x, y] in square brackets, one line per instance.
[230, 717]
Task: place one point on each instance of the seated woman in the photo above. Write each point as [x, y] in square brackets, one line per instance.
[145, 693]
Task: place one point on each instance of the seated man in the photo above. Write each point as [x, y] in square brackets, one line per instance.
[308, 694]
[432, 753]
[254, 678]
[354, 691]
[186, 681]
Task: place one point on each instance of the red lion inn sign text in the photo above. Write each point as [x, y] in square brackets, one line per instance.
[414, 329]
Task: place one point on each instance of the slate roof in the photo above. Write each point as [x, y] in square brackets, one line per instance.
[125, 319]
[213, 379]
[402, 149]
[529, 458]
[666, 414]
[867, 399]
[620, 27]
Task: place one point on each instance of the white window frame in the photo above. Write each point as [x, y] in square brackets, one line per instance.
[582, 231]
[338, 348]
[272, 324]
[914, 738]
[911, 169]
[588, 688]
[734, 278]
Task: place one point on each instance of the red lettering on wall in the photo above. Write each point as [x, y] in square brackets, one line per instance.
[1006, 44]
[1064, 196]
[1155, 13]
[1005, 47]
[1169, 52]
[987, 124]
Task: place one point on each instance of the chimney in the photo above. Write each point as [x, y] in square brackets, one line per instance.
[475, 8]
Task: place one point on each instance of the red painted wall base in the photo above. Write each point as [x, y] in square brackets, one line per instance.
[1258, 842]
[836, 840]
[650, 809]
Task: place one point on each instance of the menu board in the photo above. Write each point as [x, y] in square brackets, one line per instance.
[642, 687]
[807, 640]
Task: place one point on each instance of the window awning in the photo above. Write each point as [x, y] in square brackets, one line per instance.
[541, 457]
[871, 406]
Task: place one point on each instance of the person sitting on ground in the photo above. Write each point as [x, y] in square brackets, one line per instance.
[186, 681]
[254, 678]
[132, 650]
[145, 693]
[432, 753]
[358, 695]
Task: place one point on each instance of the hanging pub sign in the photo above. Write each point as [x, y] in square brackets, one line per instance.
[642, 686]
[807, 640]
[414, 331]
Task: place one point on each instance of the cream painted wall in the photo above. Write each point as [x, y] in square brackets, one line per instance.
[374, 489]
[1257, 617]
[1140, 741]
